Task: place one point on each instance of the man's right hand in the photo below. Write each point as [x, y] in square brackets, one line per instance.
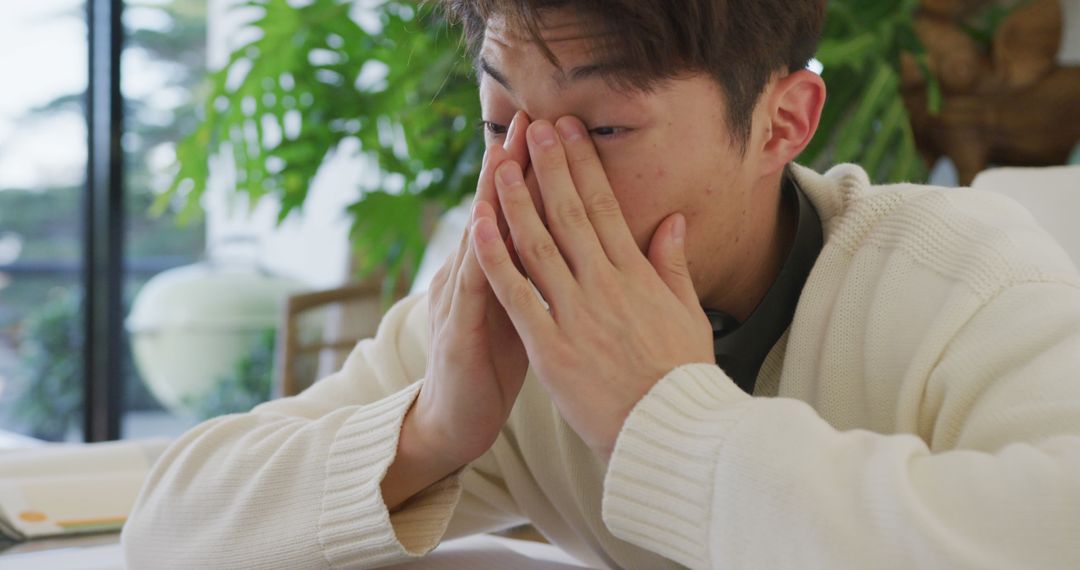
[476, 362]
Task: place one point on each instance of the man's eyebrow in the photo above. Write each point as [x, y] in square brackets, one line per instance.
[485, 67]
[583, 72]
[562, 78]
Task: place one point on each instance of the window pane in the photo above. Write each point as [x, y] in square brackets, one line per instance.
[43, 65]
[163, 63]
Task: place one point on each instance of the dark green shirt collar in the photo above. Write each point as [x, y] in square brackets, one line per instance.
[741, 348]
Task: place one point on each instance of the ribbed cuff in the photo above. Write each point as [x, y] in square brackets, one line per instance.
[355, 527]
[659, 484]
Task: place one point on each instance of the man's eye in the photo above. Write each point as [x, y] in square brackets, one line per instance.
[607, 131]
[494, 128]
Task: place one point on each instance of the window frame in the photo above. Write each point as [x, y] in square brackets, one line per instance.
[104, 226]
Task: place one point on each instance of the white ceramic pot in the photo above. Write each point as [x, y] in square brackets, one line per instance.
[190, 325]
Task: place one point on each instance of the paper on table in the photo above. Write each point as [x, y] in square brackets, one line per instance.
[61, 459]
[482, 552]
[70, 489]
[69, 504]
[11, 441]
[108, 557]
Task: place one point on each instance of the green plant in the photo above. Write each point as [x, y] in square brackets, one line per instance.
[49, 400]
[312, 78]
[865, 120]
[47, 394]
[247, 386]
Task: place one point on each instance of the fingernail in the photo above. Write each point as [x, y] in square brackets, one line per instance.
[485, 230]
[570, 129]
[510, 132]
[543, 134]
[510, 174]
[678, 229]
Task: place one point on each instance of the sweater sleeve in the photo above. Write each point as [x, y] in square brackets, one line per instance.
[767, 483]
[295, 483]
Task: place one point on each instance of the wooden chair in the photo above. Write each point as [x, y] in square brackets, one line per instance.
[319, 329]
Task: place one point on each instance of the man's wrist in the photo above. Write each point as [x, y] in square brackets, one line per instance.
[415, 466]
[421, 448]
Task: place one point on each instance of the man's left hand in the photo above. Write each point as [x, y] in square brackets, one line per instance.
[617, 321]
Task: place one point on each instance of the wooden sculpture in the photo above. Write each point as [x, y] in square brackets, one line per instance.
[1012, 106]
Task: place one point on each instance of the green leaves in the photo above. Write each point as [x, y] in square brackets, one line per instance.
[865, 120]
[49, 399]
[390, 230]
[847, 51]
[313, 77]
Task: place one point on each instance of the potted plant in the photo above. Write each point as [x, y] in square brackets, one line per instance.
[314, 77]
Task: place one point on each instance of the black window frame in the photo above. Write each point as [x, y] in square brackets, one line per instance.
[104, 226]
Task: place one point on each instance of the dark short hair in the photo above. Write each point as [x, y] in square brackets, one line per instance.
[740, 43]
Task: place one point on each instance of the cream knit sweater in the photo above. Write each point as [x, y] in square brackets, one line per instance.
[923, 411]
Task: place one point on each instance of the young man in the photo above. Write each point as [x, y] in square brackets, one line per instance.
[735, 362]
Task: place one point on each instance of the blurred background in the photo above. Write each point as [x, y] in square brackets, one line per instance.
[205, 203]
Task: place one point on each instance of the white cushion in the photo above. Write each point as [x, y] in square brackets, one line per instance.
[1052, 194]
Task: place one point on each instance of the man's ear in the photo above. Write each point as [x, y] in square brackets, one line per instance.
[792, 116]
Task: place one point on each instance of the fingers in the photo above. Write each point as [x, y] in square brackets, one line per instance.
[517, 149]
[485, 186]
[514, 148]
[537, 249]
[667, 253]
[513, 290]
[462, 275]
[447, 292]
[566, 215]
[438, 282]
[468, 309]
[595, 193]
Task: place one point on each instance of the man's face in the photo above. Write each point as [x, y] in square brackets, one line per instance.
[664, 151]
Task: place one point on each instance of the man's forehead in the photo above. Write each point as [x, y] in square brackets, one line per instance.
[568, 37]
[570, 40]
[554, 26]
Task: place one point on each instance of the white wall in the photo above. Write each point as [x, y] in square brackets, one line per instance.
[1070, 45]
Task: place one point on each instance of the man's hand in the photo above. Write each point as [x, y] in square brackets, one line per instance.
[618, 321]
[476, 364]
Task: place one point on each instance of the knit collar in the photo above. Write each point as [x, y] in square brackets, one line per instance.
[741, 348]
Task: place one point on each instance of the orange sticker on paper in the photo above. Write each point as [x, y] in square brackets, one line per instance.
[32, 516]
